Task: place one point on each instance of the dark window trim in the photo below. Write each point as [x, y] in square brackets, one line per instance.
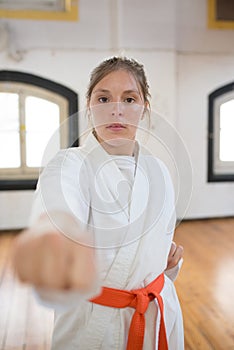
[212, 176]
[72, 98]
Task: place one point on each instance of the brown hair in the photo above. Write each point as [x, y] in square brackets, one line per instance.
[116, 63]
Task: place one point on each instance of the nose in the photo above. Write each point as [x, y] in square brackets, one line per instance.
[117, 109]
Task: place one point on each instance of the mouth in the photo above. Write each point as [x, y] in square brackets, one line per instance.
[116, 126]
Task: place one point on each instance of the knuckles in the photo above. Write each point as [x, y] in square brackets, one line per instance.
[52, 261]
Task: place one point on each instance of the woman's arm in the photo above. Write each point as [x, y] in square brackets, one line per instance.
[43, 255]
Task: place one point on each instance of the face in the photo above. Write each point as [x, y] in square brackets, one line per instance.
[116, 106]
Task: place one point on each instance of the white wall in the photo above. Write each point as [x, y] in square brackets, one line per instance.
[184, 61]
[198, 76]
[205, 62]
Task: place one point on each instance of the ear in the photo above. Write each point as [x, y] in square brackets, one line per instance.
[88, 106]
[144, 110]
[88, 111]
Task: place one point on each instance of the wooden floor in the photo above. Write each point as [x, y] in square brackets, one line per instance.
[205, 288]
[205, 285]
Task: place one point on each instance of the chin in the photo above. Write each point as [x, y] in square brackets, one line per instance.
[117, 141]
[114, 140]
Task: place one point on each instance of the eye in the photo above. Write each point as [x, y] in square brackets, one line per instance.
[129, 100]
[103, 99]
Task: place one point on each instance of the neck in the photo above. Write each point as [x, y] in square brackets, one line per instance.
[120, 147]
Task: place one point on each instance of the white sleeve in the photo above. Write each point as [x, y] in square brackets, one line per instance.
[64, 300]
[63, 187]
[174, 271]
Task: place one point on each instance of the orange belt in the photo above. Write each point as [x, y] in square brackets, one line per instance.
[138, 299]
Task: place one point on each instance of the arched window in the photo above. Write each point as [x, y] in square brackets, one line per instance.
[221, 134]
[32, 109]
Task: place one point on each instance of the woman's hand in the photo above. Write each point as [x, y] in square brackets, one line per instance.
[44, 257]
[175, 254]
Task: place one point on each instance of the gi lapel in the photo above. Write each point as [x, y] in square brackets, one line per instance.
[108, 181]
[118, 274]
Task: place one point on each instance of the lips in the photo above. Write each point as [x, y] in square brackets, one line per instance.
[116, 126]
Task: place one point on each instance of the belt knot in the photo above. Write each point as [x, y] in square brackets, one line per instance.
[141, 301]
[138, 299]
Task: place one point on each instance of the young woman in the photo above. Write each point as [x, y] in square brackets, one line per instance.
[106, 275]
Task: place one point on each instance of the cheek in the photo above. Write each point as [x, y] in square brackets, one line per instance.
[133, 122]
[97, 119]
[99, 116]
[134, 115]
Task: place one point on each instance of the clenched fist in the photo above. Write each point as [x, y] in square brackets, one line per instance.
[175, 255]
[44, 257]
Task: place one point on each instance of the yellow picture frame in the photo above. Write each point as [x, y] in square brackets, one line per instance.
[69, 14]
[213, 23]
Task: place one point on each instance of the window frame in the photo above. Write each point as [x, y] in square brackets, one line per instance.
[51, 87]
[218, 172]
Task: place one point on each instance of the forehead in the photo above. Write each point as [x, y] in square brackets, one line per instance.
[118, 79]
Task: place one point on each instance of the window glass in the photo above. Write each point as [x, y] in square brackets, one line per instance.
[227, 131]
[9, 131]
[34, 126]
[41, 123]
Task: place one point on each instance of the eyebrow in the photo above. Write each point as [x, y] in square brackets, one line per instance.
[131, 91]
[100, 90]
[107, 91]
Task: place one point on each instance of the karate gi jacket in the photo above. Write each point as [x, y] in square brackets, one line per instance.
[132, 239]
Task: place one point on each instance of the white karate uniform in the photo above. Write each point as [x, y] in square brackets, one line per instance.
[127, 204]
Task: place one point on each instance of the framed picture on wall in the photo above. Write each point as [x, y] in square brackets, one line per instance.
[220, 14]
[59, 10]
